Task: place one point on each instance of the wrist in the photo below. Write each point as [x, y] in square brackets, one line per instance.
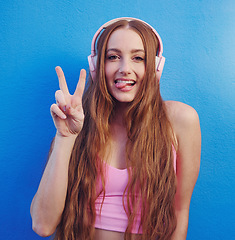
[71, 138]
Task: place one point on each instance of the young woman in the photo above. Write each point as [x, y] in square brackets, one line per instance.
[123, 163]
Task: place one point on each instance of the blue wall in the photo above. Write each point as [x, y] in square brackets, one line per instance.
[36, 36]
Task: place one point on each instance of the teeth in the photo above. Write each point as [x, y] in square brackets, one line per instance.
[125, 81]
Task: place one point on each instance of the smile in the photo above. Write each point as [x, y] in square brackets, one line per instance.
[120, 83]
[124, 85]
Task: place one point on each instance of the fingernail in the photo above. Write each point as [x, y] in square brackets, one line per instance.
[64, 108]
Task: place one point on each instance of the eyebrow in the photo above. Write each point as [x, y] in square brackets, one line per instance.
[119, 51]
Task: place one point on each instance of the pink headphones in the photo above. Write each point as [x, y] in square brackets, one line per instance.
[160, 60]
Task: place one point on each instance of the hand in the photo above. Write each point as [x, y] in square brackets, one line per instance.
[67, 113]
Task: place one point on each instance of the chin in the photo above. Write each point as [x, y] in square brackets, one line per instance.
[124, 100]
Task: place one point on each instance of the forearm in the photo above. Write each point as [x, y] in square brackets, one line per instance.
[180, 232]
[48, 203]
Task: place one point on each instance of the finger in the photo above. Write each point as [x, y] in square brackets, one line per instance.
[81, 83]
[62, 81]
[60, 100]
[57, 112]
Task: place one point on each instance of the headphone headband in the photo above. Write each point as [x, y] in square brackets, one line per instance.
[160, 60]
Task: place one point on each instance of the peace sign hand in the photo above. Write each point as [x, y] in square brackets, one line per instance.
[67, 113]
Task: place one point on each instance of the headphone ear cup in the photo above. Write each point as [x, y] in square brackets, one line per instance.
[160, 61]
[92, 65]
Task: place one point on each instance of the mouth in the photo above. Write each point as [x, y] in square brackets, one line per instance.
[121, 83]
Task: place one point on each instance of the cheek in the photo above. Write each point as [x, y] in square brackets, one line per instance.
[107, 70]
[110, 70]
[108, 75]
[141, 71]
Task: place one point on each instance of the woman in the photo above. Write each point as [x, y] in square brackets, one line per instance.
[123, 163]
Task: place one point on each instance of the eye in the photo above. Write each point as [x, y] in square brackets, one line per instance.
[112, 57]
[138, 59]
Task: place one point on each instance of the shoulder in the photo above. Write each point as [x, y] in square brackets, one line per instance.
[185, 123]
[182, 117]
[178, 111]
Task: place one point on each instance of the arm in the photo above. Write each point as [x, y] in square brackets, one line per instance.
[48, 203]
[186, 125]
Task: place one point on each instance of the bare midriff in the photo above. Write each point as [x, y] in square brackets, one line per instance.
[101, 234]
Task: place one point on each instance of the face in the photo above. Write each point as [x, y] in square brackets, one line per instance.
[124, 64]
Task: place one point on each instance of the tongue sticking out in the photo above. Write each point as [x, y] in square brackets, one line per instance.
[121, 85]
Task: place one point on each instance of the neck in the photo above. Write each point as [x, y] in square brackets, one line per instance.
[119, 113]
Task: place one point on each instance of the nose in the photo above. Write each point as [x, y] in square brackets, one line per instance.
[125, 66]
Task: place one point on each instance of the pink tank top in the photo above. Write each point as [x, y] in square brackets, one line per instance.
[112, 216]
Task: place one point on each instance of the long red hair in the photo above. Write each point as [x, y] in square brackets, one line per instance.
[148, 152]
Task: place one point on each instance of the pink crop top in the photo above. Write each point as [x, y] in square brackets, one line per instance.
[112, 216]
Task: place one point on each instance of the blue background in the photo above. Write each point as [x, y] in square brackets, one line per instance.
[199, 46]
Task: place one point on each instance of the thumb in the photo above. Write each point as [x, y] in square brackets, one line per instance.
[75, 114]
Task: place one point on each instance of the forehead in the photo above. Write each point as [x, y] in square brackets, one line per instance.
[125, 38]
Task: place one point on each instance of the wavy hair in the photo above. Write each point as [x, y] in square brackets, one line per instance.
[152, 182]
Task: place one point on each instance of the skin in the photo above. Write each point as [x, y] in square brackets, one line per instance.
[124, 63]
[48, 203]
